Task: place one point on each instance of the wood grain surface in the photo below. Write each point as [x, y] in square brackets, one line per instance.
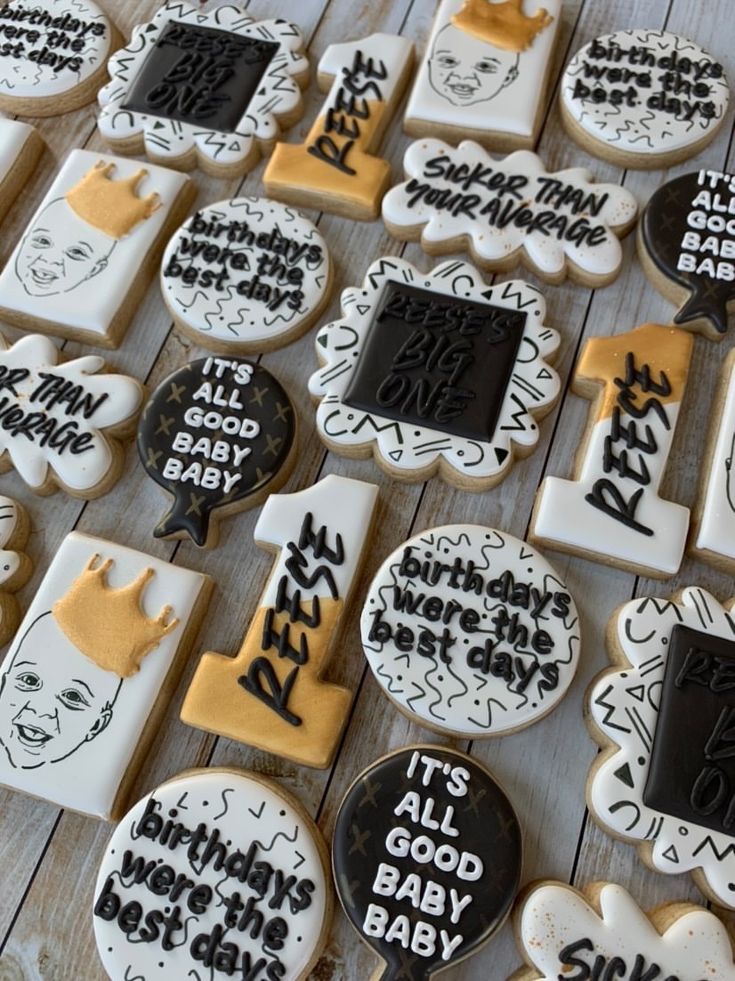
[48, 858]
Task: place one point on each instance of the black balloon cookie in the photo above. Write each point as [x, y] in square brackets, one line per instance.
[643, 98]
[216, 873]
[220, 435]
[427, 859]
[204, 88]
[53, 55]
[436, 373]
[470, 631]
[686, 244]
[246, 275]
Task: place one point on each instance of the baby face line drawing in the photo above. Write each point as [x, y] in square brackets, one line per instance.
[53, 699]
[60, 251]
[465, 70]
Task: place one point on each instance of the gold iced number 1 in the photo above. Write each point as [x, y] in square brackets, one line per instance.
[611, 511]
[271, 694]
[335, 169]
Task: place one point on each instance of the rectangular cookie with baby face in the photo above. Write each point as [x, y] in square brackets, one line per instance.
[90, 670]
[89, 252]
[484, 74]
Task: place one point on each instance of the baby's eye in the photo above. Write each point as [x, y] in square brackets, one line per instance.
[448, 61]
[73, 699]
[487, 67]
[77, 253]
[28, 681]
[41, 241]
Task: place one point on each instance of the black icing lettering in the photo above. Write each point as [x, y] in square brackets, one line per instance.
[606, 497]
[275, 695]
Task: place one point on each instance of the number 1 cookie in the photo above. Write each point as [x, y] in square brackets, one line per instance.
[485, 72]
[217, 873]
[427, 857]
[204, 89]
[436, 373]
[53, 55]
[611, 511]
[663, 715]
[643, 98]
[337, 169]
[90, 671]
[603, 932]
[272, 694]
[15, 566]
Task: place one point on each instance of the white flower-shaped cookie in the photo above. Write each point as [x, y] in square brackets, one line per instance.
[203, 88]
[665, 781]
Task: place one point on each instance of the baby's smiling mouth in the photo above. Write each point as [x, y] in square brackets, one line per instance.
[462, 88]
[31, 736]
[43, 276]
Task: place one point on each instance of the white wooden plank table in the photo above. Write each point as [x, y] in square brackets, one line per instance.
[49, 859]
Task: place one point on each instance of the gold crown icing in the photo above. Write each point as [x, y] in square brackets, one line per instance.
[501, 24]
[109, 626]
[112, 206]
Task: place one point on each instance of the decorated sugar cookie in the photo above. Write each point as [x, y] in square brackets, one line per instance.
[604, 932]
[643, 98]
[485, 72]
[509, 211]
[215, 873]
[89, 252]
[20, 149]
[246, 275]
[204, 89]
[337, 169]
[272, 694]
[611, 510]
[220, 435]
[15, 566]
[713, 526]
[436, 373]
[470, 631]
[686, 244]
[427, 859]
[61, 421]
[53, 55]
[90, 670]
[666, 779]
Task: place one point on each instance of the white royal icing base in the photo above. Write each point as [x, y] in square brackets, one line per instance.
[406, 446]
[227, 316]
[453, 696]
[164, 139]
[716, 529]
[694, 946]
[78, 472]
[13, 138]
[83, 296]
[243, 809]
[26, 78]
[88, 778]
[563, 516]
[624, 705]
[492, 244]
[640, 129]
[468, 97]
